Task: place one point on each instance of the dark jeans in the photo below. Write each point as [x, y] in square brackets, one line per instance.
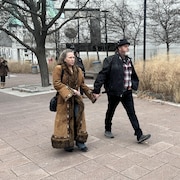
[128, 104]
[3, 78]
[81, 91]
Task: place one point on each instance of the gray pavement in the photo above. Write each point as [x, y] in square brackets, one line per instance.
[26, 125]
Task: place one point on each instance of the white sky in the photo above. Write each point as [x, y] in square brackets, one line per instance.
[105, 3]
[131, 3]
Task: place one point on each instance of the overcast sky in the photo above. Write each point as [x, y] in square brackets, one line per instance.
[105, 3]
[131, 3]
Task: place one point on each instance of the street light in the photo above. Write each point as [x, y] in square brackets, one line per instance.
[78, 25]
[57, 41]
[106, 37]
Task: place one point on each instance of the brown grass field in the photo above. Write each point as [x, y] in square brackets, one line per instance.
[160, 77]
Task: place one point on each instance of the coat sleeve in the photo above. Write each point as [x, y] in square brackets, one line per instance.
[65, 91]
[102, 76]
[86, 89]
[134, 79]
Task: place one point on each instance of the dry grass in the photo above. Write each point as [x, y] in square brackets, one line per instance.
[17, 67]
[161, 77]
[88, 63]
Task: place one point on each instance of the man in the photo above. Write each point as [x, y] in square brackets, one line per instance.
[119, 78]
[80, 64]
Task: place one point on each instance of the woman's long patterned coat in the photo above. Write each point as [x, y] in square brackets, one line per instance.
[67, 128]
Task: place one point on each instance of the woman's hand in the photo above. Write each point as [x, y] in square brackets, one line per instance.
[76, 93]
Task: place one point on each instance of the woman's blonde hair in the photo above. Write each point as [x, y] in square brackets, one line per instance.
[63, 55]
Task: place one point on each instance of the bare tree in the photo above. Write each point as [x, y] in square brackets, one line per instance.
[126, 23]
[165, 21]
[120, 18]
[33, 15]
[134, 29]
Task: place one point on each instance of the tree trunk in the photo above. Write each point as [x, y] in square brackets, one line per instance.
[41, 57]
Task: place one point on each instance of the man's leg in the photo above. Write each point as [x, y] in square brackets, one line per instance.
[113, 101]
[128, 103]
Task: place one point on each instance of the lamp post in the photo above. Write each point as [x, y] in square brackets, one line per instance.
[105, 25]
[78, 25]
[57, 41]
[144, 44]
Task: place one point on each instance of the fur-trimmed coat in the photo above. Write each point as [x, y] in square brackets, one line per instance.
[65, 129]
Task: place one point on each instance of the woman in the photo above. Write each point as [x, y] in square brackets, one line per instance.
[3, 71]
[70, 122]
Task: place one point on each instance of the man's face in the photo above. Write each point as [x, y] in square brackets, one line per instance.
[123, 49]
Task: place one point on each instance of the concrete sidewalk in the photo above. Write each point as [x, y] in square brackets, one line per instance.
[26, 126]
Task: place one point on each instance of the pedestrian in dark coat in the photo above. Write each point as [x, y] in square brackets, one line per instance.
[4, 70]
[119, 78]
[80, 64]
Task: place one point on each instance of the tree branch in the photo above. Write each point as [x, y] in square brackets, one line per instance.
[61, 11]
[70, 19]
[17, 39]
[18, 17]
[21, 8]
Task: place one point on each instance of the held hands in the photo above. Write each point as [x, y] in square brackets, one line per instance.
[77, 93]
[96, 96]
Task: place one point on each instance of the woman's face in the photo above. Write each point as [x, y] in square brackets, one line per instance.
[70, 59]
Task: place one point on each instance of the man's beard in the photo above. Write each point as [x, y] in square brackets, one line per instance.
[127, 53]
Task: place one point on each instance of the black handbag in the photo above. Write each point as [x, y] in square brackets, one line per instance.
[53, 101]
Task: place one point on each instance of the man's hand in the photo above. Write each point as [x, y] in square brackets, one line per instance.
[96, 95]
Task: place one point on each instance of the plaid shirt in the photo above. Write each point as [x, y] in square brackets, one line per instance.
[127, 73]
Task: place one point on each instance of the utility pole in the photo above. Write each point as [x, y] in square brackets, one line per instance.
[144, 45]
[57, 41]
[78, 25]
[105, 25]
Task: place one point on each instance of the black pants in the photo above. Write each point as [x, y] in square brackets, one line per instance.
[3, 78]
[128, 104]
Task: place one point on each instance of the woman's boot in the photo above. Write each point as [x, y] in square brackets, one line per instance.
[81, 146]
[2, 85]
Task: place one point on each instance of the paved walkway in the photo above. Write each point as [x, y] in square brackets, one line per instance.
[26, 126]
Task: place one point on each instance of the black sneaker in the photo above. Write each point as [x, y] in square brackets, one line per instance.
[143, 138]
[109, 134]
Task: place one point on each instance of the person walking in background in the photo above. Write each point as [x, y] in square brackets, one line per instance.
[80, 64]
[4, 70]
[119, 78]
[70, 122]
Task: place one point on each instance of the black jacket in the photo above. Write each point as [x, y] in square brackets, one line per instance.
[112, 76]
[80, 64]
